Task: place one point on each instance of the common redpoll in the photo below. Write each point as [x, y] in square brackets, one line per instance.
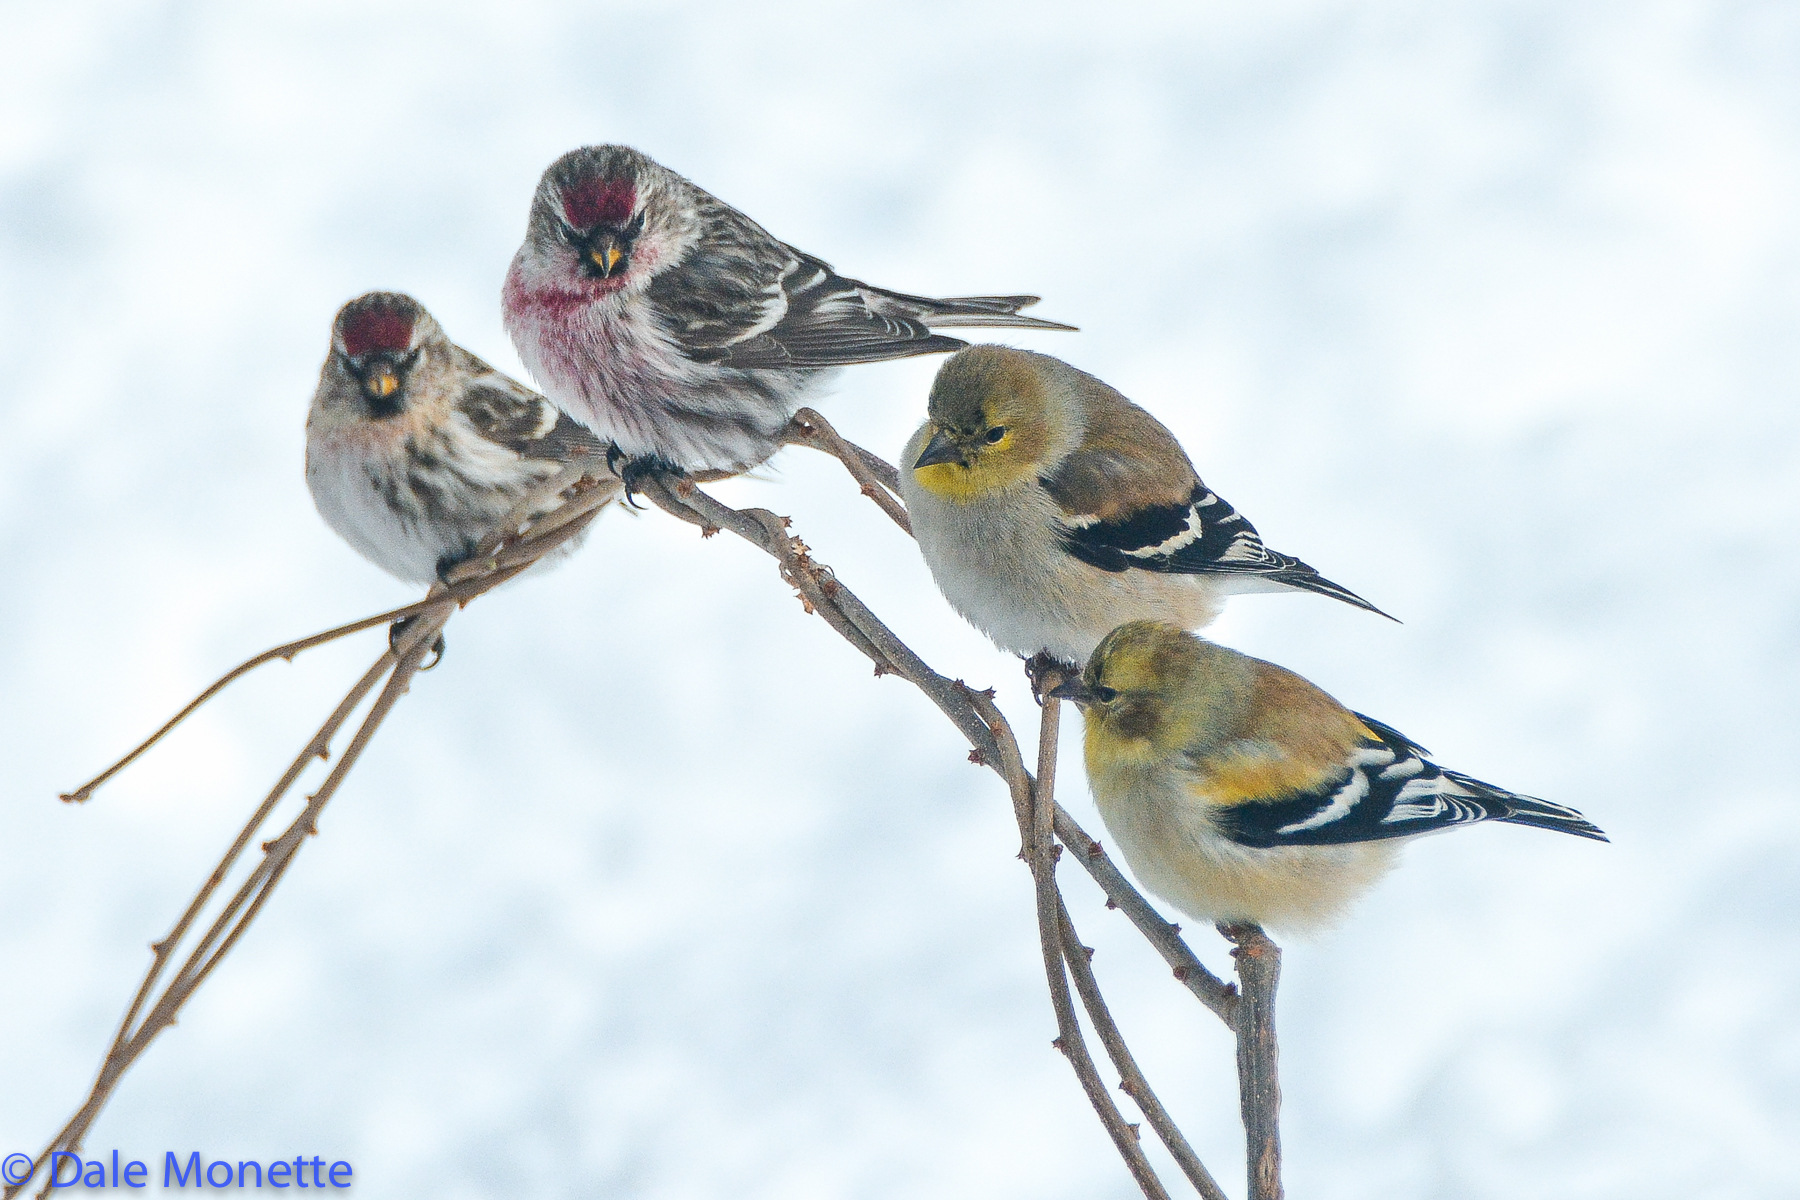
[673, 325]
[415, 448]
[1050, 509]
[1238, 791]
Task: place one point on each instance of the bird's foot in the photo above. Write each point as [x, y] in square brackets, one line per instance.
[397, 631]
[633, 471]
[1045, 671]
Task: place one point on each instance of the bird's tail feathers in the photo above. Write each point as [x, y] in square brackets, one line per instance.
[968, 311]
[1515, 809]
[1303, 578]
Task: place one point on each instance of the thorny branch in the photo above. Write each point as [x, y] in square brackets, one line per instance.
[585, 487]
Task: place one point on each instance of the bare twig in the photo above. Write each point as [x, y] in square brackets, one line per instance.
[1131, 1079]
[1209, 989]
[1165, 936]
[994, 746]
[828, 597]
[973, 712]
[1031, 798]
[880, 482]
[564, 522]
[1259, 1085]
[516, 546]
[508, 551]
[286, 651]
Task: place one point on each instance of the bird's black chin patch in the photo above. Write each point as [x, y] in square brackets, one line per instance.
[382, 407]
[605, 253]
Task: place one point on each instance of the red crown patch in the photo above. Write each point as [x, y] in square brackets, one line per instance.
[376, 328]
[591, 202]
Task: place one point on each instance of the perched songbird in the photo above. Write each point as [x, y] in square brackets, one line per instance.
[415, 448]
[670, 323]
[1238, 791]
[1050, 509]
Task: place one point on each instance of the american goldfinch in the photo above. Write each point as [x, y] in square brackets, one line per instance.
[415, 448]
[1238, 791]
[665, 320]
[1050, 509]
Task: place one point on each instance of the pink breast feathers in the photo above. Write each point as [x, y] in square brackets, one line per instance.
[591, 202]
[376, 329]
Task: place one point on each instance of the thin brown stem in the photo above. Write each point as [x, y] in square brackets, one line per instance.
[975, 713]
[831, 600]
[1259, 1082]
[1043, 809]
[879, 481]
[504, 554]
[1028, 799]
[468, 580]
[1220, 998]
[287, 650]
[1131, 1078]
[517, 545]
[318, 747]
[252, 894]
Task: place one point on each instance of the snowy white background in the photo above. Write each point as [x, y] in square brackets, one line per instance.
[1487, 310]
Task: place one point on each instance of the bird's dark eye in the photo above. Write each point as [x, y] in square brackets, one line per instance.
[995, 434]
[1106, 695]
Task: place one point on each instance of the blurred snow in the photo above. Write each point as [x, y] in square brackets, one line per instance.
[1487, 310]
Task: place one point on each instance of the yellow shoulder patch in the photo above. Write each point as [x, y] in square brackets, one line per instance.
[1254, 772]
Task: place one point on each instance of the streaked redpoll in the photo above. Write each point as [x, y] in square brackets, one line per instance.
[673, 325]
[415, 448]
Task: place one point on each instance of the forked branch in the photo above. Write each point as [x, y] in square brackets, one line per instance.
[510, 550]
[1042, 822]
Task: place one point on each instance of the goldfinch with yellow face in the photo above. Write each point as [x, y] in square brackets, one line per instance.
[1050, 509]
[1237, 791]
